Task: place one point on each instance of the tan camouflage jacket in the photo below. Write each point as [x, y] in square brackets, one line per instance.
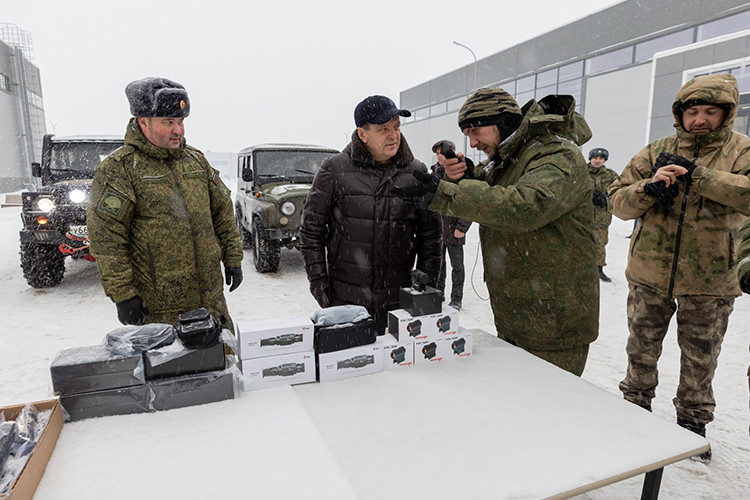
[160, 223]
[533, 204]
[743, 253]
[602, 178]
[717, 203]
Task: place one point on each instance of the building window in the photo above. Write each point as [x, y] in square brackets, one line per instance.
[456, 103]
[610, 60]
[437, 109]
[545, 91]
[526, 84]
[421, 114]
[523, 97]
[571, 71]
[546, 78]
[4, 83]
[573, 87]
[645, 50]
[731, 24]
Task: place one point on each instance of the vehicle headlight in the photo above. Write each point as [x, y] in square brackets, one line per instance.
[287, 208]
[77, 195]
[45, 204]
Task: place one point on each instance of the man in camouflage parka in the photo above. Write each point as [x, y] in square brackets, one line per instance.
[602, 177]
[691, 193]
[160, 219]
[532, 200]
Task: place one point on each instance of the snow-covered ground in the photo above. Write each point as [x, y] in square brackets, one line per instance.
[36, 324]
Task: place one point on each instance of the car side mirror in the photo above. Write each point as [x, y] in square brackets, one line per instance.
[247, 175]
[36, 169]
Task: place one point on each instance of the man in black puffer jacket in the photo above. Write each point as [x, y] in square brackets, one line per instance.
[358, 240]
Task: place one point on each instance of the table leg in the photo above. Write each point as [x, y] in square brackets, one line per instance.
[651, 484]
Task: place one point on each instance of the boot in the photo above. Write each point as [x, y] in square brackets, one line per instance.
[699, 429]
[603, 276]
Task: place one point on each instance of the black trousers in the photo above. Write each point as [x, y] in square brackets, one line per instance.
[456, 254]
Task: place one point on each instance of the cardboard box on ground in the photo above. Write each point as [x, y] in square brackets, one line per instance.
[25, 484]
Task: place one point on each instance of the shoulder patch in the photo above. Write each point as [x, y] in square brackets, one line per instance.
[112, 202]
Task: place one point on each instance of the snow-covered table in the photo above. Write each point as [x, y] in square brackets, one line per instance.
[500, 424]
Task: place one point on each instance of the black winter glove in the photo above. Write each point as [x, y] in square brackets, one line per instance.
[745, 283]
[673, 159]
[233, 277]
[599, 199]
[321, 290]
[132, 311]
[421, 194]
[664, 195]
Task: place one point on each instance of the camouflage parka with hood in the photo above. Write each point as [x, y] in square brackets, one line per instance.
[533, 204]
[697, 259]
[160, 222]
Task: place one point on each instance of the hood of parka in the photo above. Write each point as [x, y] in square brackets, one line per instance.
[134, 137]
[553, 114]
[716, 89]
[357, 151]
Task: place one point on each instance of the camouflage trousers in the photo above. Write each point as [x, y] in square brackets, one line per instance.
[701, 325]
[602, 237]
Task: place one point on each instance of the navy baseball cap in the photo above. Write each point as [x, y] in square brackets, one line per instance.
[377, 109]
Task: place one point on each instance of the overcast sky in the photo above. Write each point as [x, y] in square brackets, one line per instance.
[270, 71]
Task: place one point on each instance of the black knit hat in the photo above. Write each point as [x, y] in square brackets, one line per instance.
[151, 97]
[599, 152]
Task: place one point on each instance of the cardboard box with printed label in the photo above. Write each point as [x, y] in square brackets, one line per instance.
[445, 348]
[397, 354]
[352, 362]
[404, 326]
[283, 369]
[269, 337]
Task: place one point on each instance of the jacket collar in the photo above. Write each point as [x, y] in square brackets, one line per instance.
[134, 137]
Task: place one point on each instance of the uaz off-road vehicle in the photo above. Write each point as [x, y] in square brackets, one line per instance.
[273, 182]
[54, 217]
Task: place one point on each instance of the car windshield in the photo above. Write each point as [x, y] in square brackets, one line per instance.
[288, 166]
[78, 160]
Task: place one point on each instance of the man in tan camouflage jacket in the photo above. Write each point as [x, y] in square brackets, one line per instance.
[691, 193]
[160, 219]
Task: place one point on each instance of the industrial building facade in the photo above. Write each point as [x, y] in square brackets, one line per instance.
[22, 122]
[623, 65]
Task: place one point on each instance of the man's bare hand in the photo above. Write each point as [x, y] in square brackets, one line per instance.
[455, 167]
[667, 173]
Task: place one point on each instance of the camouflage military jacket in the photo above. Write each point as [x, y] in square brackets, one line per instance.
[715, 205]
[160, 223]
[533, 204]
[743, 253]
[602, 178]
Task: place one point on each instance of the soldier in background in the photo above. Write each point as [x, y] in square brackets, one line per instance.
[532, 200]
[602, 177]
[691, 193]
[160, 219]
[454, 238]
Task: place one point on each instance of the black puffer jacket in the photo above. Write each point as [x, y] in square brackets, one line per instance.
[361, 237]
